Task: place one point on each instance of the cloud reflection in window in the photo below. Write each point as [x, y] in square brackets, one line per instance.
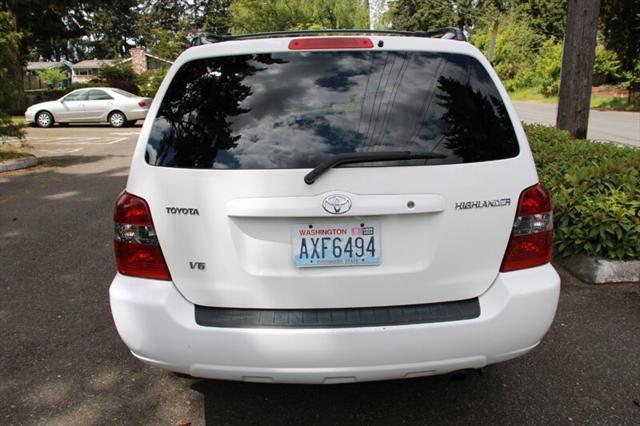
[291, 110]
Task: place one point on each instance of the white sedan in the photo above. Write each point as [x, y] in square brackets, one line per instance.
[93, 105]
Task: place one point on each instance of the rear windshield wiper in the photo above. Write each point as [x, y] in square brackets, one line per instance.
[366, 157]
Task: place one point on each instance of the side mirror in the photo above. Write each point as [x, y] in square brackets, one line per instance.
[61, 100]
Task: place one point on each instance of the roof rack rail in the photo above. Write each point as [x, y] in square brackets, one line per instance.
[445, 33]
[448, 33]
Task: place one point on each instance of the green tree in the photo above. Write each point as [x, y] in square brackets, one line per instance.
[52, 29]
[606, 65]
[52, 76]
[632, 82]
[165, 43]
[620, 22]
[515, 49]
[112, 28]
[279, 15]
[212, 16]
[171, 15]
[546, 17]
[10, 74]
[417, 15]
[163, 25]
[546, 72]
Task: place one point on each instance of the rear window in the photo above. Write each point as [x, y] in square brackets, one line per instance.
[294, 109]
[124, 93]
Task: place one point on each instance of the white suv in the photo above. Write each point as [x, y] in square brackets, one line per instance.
[332, 208]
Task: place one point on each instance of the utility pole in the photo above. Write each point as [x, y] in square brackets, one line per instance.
[577, 66]
[369, 20]
[492, 40]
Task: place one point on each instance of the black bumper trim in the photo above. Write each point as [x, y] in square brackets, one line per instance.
[338, 318]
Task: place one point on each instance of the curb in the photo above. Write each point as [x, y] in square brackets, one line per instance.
[18, 163]
[595, 270]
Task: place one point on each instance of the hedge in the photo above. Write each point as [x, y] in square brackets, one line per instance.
[596, 193]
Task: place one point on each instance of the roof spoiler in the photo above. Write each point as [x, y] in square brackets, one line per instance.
[450, 33]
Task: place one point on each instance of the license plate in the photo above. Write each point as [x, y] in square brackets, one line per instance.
[344, 244]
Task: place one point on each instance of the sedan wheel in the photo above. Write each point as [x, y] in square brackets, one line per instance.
[44, 119]
[117, 119]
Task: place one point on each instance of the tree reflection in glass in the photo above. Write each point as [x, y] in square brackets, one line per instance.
[294, 109]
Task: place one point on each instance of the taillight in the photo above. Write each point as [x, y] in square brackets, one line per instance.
[313, 43]
[137, 250]
[532, 234]
[142, 104]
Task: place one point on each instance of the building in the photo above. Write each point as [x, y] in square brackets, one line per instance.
[31, 81]
[84, 71]
[141, 61]
[88, 69]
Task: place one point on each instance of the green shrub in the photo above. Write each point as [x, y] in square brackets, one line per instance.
[85, 85]
[117, 72]
[150, 81]
[606, 65]
[53, 77]
[120, 76]
[9, 128]
[514, 53]
[596, 193]
[632, 82]
[126, 85]
[547, 67]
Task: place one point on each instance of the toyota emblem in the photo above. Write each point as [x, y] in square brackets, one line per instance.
[336, 204]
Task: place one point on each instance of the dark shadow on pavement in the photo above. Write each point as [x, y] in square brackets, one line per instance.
[62, 361]
[72, 160]
[584, 371]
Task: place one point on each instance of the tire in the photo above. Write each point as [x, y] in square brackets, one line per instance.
[117, 119]
[44, 119]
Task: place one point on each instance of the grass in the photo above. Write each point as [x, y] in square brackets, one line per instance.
[615, 104]
[11, 155]
[17, 119]
[532, 94]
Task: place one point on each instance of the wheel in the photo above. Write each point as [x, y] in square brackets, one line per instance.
[44, 119]
[117, 119]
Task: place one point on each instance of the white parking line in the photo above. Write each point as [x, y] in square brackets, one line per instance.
[64, 138]
[116, 141]
[60, 151]
[76, 141]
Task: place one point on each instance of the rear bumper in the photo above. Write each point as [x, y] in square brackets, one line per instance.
[158, 325]
[136, 114]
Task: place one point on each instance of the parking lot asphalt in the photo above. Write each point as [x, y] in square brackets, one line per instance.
[62, 361]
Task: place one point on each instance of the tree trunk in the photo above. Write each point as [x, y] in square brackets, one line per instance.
[577, 66]
[492, 40]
